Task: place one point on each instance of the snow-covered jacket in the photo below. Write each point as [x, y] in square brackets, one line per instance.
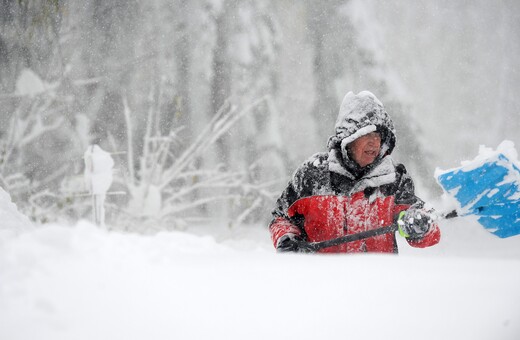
[330, 196]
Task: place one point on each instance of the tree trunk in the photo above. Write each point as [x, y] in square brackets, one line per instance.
[221, 81]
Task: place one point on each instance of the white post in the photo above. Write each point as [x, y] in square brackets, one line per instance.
[98, 178]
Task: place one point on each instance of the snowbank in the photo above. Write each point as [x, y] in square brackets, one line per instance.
[12, 221]
[83, 282]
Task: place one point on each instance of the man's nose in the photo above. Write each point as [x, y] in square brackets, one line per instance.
[373, 141]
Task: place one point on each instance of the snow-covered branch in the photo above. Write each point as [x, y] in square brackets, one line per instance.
[170, 182]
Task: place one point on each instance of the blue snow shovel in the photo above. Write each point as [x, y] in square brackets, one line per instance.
[489, 189]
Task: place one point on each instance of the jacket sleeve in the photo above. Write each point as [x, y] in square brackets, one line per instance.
[282, 224]
[405, 199]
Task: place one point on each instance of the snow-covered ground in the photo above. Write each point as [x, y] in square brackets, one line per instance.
[83, 282]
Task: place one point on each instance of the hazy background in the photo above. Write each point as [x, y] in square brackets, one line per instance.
[144, 78]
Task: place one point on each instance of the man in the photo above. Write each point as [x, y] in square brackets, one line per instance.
[354, 187]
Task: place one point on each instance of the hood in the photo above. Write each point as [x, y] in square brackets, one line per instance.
[359, 115]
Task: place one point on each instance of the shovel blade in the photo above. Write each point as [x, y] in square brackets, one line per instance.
[489, 189]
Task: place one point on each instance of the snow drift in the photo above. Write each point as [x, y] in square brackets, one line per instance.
[83, 282]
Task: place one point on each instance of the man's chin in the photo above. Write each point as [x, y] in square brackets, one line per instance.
[367, 162]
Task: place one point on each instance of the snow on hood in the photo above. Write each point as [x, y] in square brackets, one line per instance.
[361, 114]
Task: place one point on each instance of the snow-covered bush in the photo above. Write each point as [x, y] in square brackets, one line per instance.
[38, 144]
[168, 183]
[168, 187]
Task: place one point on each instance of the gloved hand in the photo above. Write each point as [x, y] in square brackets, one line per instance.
[288, 243]
[415, 223]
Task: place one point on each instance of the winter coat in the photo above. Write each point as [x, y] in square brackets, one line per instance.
[330, 196]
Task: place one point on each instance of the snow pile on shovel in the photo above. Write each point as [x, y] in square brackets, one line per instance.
[488, 187]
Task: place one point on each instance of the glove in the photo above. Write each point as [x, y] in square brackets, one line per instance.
[288, 243]
[414, 223]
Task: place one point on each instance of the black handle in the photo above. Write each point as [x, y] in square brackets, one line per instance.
[315, 246]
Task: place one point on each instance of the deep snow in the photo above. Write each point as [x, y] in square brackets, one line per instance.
[83, 282]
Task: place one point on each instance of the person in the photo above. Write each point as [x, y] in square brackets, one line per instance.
[354, 187]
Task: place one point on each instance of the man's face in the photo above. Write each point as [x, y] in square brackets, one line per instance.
[365, 149]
